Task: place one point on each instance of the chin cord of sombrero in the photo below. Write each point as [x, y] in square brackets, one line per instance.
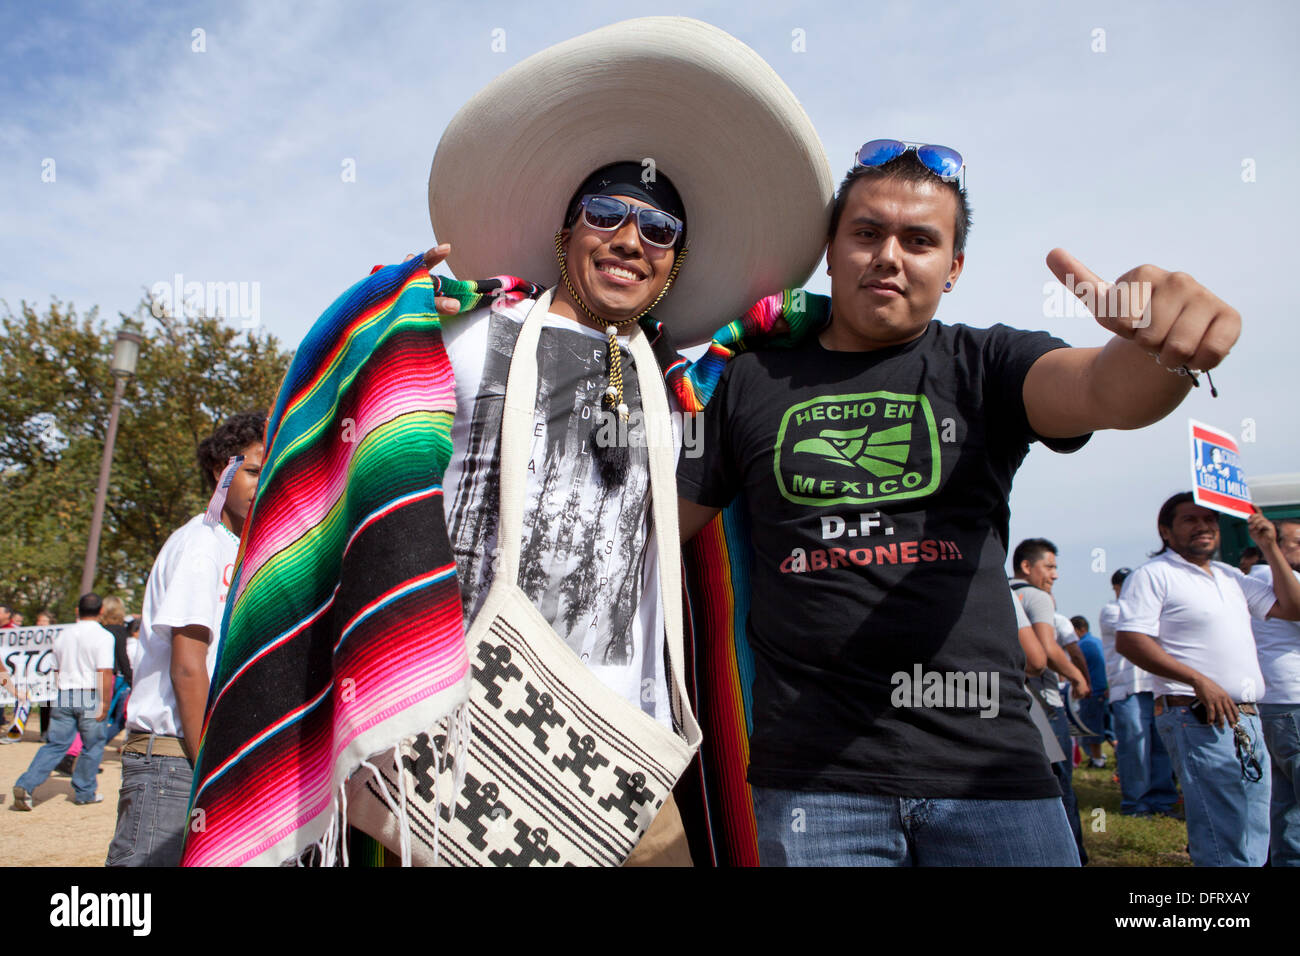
[612, 457]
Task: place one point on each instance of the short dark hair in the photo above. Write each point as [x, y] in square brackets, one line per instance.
[1165, 519]
[1031, 550]
[1080, 622]
[89, 605]
[1118, 577]
[909, 169]
[235, 434]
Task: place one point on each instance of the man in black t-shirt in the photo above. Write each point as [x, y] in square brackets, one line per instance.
[890, 720]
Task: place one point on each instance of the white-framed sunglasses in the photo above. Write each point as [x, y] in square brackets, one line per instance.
[607, 213]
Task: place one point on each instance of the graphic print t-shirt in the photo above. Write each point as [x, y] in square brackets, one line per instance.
[589, 560]
[877, 485]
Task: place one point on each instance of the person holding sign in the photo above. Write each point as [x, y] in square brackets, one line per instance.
[1185, 619]
[876, 461]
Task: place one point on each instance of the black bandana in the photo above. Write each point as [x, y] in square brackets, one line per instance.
[635, 181]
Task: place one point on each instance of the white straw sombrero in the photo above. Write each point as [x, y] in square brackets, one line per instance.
[705, 108]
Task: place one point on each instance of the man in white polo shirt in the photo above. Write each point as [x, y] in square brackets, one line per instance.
[1186, 620]
[83, 656]
[184, 601]
[1146, 779]
[1277, 644]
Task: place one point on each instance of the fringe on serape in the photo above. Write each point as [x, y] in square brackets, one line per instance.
[343, 634]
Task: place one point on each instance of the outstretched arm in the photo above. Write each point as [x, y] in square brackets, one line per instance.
[1162, 322]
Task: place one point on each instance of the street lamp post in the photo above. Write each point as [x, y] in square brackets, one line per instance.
[125, 352]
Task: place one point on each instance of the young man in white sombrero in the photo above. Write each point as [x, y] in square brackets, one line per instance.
[642, 221]
[649, 221]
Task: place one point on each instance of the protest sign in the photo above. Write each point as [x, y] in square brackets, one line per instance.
[1217, 478]
[28, 653]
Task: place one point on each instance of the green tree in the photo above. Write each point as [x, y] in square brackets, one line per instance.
[56, 394]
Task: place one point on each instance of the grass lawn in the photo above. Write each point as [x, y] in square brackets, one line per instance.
[1115, 840]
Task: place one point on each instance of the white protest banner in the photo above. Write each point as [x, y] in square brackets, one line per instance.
[1217, 478]
[28, 653]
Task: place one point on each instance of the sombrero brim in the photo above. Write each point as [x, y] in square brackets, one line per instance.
[700, 105]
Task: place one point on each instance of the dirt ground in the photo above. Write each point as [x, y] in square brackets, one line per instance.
[56, 832]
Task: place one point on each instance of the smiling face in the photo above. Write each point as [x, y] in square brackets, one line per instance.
[616, 273]
[1193, 532]
[888, 261]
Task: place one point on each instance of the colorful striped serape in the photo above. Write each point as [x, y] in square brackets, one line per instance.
[343, 632]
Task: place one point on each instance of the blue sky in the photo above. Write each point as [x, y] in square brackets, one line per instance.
[224, 165]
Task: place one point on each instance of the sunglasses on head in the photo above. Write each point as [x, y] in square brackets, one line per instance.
[608, 213]
[944, 162]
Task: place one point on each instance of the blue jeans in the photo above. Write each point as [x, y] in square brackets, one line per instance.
[1092, 711]
[1227, 816]
[152, 811]
[73, 712]
[1282, 735]
[1064, 771]
[822, 828]
[1146, 779]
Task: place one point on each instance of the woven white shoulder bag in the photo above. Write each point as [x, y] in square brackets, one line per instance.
[558, 770]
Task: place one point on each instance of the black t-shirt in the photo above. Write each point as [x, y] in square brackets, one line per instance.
[877, 484]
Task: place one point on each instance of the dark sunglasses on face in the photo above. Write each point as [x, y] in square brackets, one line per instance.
[607, 213]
